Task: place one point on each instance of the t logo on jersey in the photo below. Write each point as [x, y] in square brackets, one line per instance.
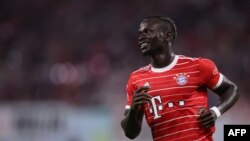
[181, 79]
[156, 106]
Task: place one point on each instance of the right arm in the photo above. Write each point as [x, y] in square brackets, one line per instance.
[132, 121]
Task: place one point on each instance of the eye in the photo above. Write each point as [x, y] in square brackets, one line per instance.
[148, 31]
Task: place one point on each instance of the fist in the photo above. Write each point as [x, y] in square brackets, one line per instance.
[207, 117]
[140, 97]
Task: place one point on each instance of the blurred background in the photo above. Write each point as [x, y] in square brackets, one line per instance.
[64, 64]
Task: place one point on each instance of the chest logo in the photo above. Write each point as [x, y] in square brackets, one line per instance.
[181, 78]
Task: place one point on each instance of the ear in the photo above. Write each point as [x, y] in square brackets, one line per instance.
[168, 36]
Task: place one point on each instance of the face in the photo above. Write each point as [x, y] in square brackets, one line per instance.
[151, 37]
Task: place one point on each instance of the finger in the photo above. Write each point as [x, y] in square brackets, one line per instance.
[139, 103]
[206, 119]
[142, 98]
[146, 96]
[205, 114]
[208, 124]
[201, 110]
[143, 88]
[142, 94]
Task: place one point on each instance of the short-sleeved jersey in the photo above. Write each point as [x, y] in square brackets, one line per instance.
[178, 91]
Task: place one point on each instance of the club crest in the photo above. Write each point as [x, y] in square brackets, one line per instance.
[181, 79]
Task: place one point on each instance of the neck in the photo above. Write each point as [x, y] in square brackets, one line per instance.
[162, 59]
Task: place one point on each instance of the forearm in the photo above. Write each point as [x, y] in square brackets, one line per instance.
[132, 122]
[228, 98]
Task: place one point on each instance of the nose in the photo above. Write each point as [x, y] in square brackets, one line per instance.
[141, 37]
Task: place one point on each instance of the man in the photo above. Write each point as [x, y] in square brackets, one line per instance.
[172, 91]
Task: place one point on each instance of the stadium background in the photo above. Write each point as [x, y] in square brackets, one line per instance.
[64, 64]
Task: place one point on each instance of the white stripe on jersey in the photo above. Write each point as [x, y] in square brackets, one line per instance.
[186, 67]
[163, 76]
[176, 125]
[182, 63]
[150, 117]
[198, 102]
[165, 84]
[174, 119]
[184, 137]
[202, 137]
[180, 94]
[182, 87]
[199, 97]
[153, 78]
[176, 133]
[139, 75]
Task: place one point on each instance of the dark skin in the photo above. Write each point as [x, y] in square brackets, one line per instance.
[156, 41]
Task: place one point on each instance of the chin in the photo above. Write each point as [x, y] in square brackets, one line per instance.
[146, 53]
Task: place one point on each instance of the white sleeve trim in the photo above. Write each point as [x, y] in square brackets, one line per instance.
[216, 110]
[127, 107]
[219, 82]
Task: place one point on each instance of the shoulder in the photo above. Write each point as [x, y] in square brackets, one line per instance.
[205, 62]
[199, 60]
[207, 66]
[186, 59]
[140, 71]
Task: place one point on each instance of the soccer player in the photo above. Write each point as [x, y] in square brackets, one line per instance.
[172, 90]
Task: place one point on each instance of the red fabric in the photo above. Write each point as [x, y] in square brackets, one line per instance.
[178, 93]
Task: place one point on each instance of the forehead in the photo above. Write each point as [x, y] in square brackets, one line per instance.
[149, 23]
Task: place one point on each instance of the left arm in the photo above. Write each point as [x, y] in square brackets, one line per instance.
[228, 95]
[227, 92]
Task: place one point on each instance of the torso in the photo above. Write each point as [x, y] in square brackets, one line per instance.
[177, 96]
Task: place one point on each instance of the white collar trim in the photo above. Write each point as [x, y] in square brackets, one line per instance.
[170, 66]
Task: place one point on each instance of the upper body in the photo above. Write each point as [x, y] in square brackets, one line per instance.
[172, 91]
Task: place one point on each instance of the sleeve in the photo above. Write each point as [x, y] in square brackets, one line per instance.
[209, 74]
[130, 91]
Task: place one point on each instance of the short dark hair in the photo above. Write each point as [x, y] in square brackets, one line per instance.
[168, 22]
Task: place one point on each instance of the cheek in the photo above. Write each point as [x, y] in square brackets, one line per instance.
[157, 41]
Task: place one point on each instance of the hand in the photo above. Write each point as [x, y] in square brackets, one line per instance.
[207, 117]
[140, 97]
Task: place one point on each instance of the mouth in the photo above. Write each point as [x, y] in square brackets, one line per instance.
[143, 45]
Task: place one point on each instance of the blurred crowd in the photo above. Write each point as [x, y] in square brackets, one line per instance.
[82, 51]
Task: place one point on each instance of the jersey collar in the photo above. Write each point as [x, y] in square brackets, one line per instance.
[168, 67]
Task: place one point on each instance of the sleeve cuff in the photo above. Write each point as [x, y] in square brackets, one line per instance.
[219, 82]
[127, 107]
[216, 110]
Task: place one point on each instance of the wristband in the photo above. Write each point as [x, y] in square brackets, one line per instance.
[216, 110]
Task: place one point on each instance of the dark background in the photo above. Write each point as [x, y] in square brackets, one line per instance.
[80, 52]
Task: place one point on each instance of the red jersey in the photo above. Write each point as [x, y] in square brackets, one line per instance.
[178, 91]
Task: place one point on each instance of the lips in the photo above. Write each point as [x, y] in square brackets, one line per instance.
[143, 45]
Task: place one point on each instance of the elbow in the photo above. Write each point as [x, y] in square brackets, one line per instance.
[237, 96]
[130, 136]
[130, 133]
[235, 93]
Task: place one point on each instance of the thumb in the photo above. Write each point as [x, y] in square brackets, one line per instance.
[201, 110]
